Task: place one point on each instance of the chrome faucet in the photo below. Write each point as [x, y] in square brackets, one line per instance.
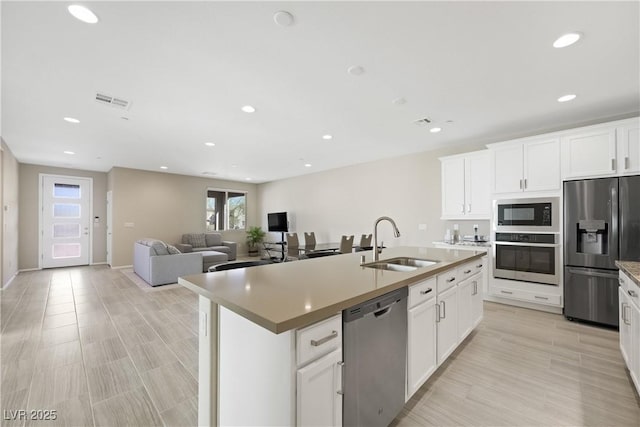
[396, 232]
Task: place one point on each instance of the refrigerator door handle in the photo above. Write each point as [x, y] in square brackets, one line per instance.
[613, 275]
[614, 237]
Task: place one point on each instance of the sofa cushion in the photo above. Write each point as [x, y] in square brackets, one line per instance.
[196, 240]
[173, 250]
[213, 239]
[158, 247]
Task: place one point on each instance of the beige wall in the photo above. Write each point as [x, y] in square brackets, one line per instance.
[29, 222]
[165, 206]
[9, 214]
[348, 200]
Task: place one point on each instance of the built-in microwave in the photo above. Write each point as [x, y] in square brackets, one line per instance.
[537, 214]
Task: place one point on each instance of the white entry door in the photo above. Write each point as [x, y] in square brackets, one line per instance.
[65, 221]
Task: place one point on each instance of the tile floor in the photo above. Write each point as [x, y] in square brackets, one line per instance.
[89, 344]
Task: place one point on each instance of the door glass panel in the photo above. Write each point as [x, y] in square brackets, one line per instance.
[65, 250]
[66, 210]
[62, 231]
[67, 191]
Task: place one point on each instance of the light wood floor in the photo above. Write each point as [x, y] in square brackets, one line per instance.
[91, 345]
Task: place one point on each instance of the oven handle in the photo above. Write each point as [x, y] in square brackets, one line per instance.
[539, 245]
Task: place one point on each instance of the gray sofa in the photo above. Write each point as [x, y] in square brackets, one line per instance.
[198, 242]
[159, 264]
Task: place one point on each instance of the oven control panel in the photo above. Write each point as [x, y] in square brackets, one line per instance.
[545, 238]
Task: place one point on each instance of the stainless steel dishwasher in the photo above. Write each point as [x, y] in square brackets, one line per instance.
[375, 354]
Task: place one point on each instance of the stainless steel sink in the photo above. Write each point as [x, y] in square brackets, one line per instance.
[400, 264]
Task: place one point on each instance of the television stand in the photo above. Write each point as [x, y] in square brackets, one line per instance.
[279, 246]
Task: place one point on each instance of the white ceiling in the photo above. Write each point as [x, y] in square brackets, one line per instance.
[188, 68]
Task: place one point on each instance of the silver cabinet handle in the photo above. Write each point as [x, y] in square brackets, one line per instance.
[624, 317]
[626, 162]
[613, 164]
[462, 211]
[334, 334]
[479, 266]
[451, 279]
[341, 391]
[521, 184]
[506, 292]
[437, 313]
[444, 310]
[544, 298]
[632, 293]
[469, 208]
[425, 292]
[525, 183]
[467, 271]
[620, 281]
[475, 288]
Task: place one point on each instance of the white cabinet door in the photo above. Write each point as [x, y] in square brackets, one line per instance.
[465, 308]
[589, 154]
[421, 345]
[629, 149]
[453, 202]
[477, 305]
[447, 323]
[542, 165]
[478, 186]
[507, 165]
[318, 392]
[625, 325]
[634, 366]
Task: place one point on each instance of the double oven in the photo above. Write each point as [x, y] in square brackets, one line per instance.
[527, 240]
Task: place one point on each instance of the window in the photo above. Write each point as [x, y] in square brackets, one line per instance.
[226, 210]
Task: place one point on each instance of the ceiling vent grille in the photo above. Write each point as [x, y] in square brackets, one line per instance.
[422, 122]
[111, 101]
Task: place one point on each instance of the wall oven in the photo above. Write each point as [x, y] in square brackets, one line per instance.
[529, 257]
[522, 215]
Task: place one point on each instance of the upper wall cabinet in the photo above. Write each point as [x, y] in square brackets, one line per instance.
[589, 154]
[533, 165]
[465, 186]
[629, 148]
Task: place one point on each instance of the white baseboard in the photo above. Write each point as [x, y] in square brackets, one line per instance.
[524, 304]
[99, 263]
[6, 285]
[24, 270]
[121, 267]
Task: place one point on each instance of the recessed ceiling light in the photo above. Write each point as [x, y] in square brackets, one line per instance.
[399, 101]
[355, 70]
[327, 137]
[234, 166]
[208, 173]
[82, 13]
[566, 40]
[566, 98]
[164, 167]
[69, 152]
[283, 18]
[248, 179]
[210, 144]
[248, 109]
[307, 165]
[71, 120]
[435, 130]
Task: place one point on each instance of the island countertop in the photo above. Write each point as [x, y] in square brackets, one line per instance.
[631, 269]
[290, 295]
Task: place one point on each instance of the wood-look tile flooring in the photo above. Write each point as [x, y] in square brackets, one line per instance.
[91, 345]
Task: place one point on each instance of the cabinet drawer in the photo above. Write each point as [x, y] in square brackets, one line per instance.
[467, 270]
[318, 339]
[479, 264]
[629, 287]
[540, 298]
[447, 280]
[421, 292]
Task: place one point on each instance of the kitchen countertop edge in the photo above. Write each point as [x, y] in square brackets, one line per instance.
[631, 269]
[325, 312]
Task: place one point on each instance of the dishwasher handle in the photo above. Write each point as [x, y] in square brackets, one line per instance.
[385, 310]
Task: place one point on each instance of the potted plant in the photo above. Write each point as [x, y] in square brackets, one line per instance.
[255, 236]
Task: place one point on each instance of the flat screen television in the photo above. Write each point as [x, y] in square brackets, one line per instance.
[278, 221]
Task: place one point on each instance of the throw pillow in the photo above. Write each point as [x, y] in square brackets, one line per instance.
[159, 247]
[173, 250]
[197, 240]
[213, 239]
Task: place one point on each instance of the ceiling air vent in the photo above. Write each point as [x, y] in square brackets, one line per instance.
[112, 101]
[422, 122]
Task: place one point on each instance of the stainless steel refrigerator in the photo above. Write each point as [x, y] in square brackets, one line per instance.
[601, 225]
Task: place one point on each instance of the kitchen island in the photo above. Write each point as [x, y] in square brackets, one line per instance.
[251, 320]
